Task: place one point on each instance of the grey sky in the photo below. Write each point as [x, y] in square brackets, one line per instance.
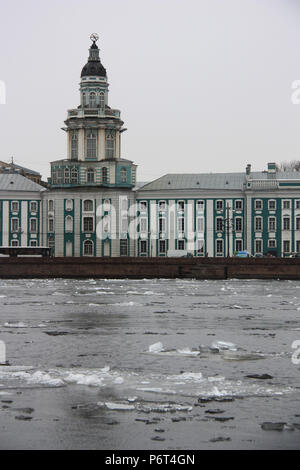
[202, 85]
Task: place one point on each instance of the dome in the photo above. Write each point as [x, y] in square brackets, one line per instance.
[93, 66]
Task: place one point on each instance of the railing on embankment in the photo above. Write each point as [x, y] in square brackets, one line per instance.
[139, 268]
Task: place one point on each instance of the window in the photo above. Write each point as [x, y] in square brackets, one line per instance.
[200, 224]
[200, 247]
[88, 247]
[286, 223]
[51, 225]
[106, 204]
[74, 176]
[272, 224]
[15, 243]
[123, 247]
[74, 146]
[123, 175]
[238, 205]
[181, 224]
[258, 204]
[110, 143]
[238, 245]
[106, 223]
[67, 176]
[238, 224]
[91, 144]
[162, 246]
[272, 243]
[143, 224]
[286, 204]
[59, 176]
[51, 243]
[200, 206]
[33, 243]
[33, 206]
[258, 246]
[180, 205]
[272, 205]
[88, 224]
[104, 175]
[143, 246]
[101, 100]
[50, 205]
[90, 175]
[88, 205]
[297, 223]
[69, 223]
[69, 204]
[286, 246]
[162, 224]
[33, 225]
[219, 247]
[219, 205]
[84, 99]
[15, 206]
[298, 246]
[297, 204]
[162, 205]
[219, 224]
[181, 244]
[14, 225]
[92, 100]
[143, 205]
[258, 224]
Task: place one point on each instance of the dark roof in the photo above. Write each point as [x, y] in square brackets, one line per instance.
[93, 66]
[16, 182]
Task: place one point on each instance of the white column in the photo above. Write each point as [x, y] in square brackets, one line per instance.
[209, 227]
[24, 223]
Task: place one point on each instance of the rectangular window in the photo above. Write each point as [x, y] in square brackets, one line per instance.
[33, 225]
[286, 246]
[110, 143]
[258, 204]
[272, 205]
[143, 224]
[15, 206]
[143, 205]
[297, 223]
[162, 246]
[200, 206]
[200, 247]
[162, 224]
[143, 247]
[272, 224]
[219, 224]
[14, 225]
[258, 246]
[124, 247]
[181, 244]
[33, 206]
[15, 243]
[238, 224]
[180, 205]
[286, 204]
[272, 243]
[162, 205]
[298, 246]
[91, 144]
[219, 205]
[286, 223]
[238, 205]
[238, 245]
[33, 243]
[219, 247]
[50, 205]
[181, 224]
[258, 224]
[200, 224]
[50, 225]
[88, 224]
[297, 204]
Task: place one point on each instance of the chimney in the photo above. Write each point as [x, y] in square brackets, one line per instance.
[248, 170]
[272, 167]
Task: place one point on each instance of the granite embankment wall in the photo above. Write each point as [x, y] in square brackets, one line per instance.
[139, 268]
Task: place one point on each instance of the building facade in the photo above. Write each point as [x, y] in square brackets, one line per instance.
[94, 207]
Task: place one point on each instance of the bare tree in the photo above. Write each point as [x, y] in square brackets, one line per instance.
[293, 165]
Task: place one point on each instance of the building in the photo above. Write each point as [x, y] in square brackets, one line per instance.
[94, 206]
[12, 167]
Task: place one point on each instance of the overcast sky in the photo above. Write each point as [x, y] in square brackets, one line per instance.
[202, 85]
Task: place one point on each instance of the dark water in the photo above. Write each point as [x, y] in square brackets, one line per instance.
[149, 364]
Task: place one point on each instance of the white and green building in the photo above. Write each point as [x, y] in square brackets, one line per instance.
[94, 206]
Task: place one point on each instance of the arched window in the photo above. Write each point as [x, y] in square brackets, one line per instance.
[101, 100]
[110, 143]
[84, 99]
[91, 144]
[69, 223]
[92, 100]
[104, 175]
[88, 247]
[67, 175]
[106, 205]
[59, 175]
[123, 175]
[88, 205]
[74, 146]
[90, 175]
[74, 175]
